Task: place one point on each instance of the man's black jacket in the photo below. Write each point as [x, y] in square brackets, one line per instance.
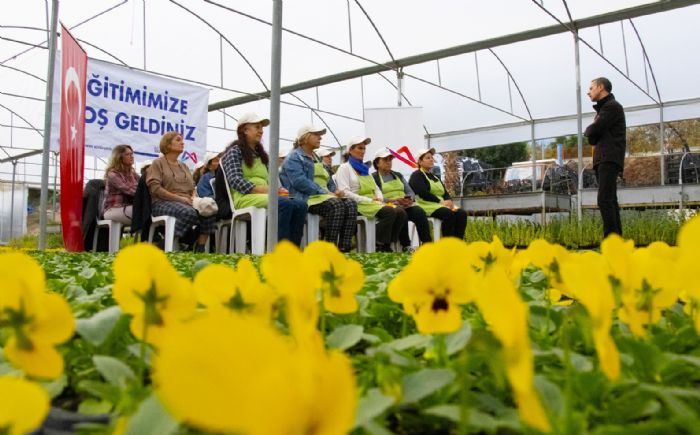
[608, 132]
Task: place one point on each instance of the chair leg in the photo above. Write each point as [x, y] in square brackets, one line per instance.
[115, 234]
[169, 237]
[257, 237]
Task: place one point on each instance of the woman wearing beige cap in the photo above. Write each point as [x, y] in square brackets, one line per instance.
[433, 197]
[208, 171]
[306, 179]
[354, 180]
[245, 164]
[396, 190]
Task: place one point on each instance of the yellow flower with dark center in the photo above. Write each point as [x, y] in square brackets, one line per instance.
[434, 285]
[586, 275]
[341, 278]
[149, 288]
[483, 255]
[37, 321]
[23, 405]
[237, 374]
[507, 316]
[218, 286]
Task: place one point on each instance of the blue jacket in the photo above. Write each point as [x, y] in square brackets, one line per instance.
[297, 176]
[204, 189]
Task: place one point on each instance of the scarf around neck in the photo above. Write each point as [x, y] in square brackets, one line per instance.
[359, 166]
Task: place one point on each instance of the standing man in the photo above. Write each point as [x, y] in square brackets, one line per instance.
[608, 134]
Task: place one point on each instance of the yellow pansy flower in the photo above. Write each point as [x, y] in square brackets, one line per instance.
[341, 278]
[289, 273]
[219, 286]
[433, 286]
[506, 314]
[688, 254]
[37, 321]
[483, 255]
[586, 275]
[23, 405]
[149, 288]
[233, 373]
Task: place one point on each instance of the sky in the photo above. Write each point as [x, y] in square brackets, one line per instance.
[179, 44]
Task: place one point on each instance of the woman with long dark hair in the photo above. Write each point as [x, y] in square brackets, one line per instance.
[120, 185]
[245, 163]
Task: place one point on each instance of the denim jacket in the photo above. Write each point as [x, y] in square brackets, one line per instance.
[297, 176]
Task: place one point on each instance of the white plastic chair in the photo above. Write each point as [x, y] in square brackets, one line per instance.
[366, 234]
[115, 234]
[258, 221]
[312, 229]
[169, 223]
[437, 231]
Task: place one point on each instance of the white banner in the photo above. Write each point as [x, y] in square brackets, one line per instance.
[135, 108]
[394, 127]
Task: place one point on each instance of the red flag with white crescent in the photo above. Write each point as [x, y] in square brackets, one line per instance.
[73, 81]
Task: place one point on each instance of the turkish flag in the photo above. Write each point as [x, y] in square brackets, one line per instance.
[73, 81]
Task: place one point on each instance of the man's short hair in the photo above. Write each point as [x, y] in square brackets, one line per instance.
[604, 82]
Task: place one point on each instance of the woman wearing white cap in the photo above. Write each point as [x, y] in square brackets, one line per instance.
[326, 156]
[245, 165]
[307, 179]
[433, 197]
[396, 190]
[208, 171]
[354, 181]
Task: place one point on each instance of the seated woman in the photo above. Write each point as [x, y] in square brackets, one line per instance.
[354, 181]
[307, 180]
[211, 164]
[433, 197]
[172, 189]
[120, 185]
[245, 165]
[396, 190]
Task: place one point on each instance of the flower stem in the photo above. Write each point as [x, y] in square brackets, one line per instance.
[142, 351]
[464, 392]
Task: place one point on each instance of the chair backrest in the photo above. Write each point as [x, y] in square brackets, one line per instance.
[228, 188]
[212, 183]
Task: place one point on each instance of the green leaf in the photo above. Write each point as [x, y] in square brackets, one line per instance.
[96, 329]
[345, 337]
[550, 393]
[411, 341]
[458, 339]
[94, 407]
[56, 386]
[374, 428]
[114, 371]
[151, 418]
[423, 383]
[371, 406]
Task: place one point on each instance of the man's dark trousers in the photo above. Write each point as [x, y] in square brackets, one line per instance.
[607, 173]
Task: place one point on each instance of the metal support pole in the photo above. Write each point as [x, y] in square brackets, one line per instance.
[12, 127]
[399, 85]
[579, 125]
[478, 81]
[47, 127]
[533, 156]
[12, 200]
[662, 151]
[55, 180]
[275, 82]
[624, 47]
[144, 35]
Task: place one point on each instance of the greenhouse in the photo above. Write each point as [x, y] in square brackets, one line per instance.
[352, 315]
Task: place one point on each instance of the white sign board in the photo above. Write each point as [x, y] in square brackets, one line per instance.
[124, 106]
[393, 128]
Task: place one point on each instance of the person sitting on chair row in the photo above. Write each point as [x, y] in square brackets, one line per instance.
[307, 180]
[397, 191]
[433, 197]
[203, 175]
[172, 189]
[120, 185]
[245, 164]
[353, 179]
